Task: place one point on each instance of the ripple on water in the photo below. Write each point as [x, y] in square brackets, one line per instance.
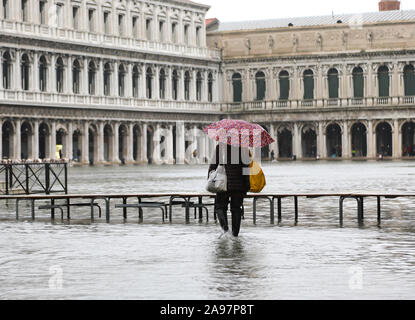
[313, 260]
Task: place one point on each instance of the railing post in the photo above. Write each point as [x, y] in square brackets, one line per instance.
[47, 177]
[379, 210]
[27, 178]
[279, 210]
[7, 178]
[66, 178]
[296, 208]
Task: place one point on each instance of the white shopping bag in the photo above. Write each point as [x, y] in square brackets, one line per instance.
[217, 181]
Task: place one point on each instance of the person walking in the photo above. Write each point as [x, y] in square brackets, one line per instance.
[237, 184]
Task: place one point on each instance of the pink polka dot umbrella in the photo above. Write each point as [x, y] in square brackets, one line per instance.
[239, 133]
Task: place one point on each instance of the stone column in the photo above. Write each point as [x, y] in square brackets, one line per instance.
[129, 81]
[51, 82]
[130, 143]
[114, 89]
[345, 141]
[156, 83]
[296, 141]
[100, 143]
[69, 142]
[156, 143]
[17, 72]
[52, 141]
[205, 80]
[180, 142]
[100, 79]
[321, 141]
[169, 84]
[397, 140]
[68, 87]
[17, 139]
[181, 85]
[273, 146]
[169, 146]
[84, 83]
[85, 144]
[35, 140]
[143, 149]
[34, 84]
[193, 85]
[143, 87]
[371, 141]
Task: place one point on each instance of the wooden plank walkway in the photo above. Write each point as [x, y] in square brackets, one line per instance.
[187, 202]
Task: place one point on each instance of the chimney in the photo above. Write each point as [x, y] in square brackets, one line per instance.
[389, 5]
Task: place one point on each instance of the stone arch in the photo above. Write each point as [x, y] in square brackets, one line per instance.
[285, 141]
[309, 141]
[408, 138]
[237, 87]
[108, 142]
[334, 140]
[123, 135]
[8, 132]
[26, 147]
[358, 132]
[44, 143]
[93, 143]
[384, 142]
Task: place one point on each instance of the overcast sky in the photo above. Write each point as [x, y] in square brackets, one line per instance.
[237, 10]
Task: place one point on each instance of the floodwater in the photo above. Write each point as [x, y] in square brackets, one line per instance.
[315, 259]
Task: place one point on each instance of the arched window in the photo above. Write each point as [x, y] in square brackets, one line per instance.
[175, 85]
[333, 81]
[6, 11]
[24, 10]
[43, 73]
[409, 79]
[210, 87]
[25, 71]
[383, 76]
[308, 85]
[92, 71]
[187, 85]
[260, 85]
[186, 35]
[136, 79]
[121, 80]
[284, 85]
[162, 84]
[107, 79]
[59, 75]
[199, 86]
[76, 77]
[237, 87]
[7, 70]
[149, 82]
[358, 83]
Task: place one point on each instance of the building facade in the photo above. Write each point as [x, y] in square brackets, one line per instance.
[135, 81]
[338, 86]
[107, 81]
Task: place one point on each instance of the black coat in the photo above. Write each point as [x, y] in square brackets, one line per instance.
[236, 180]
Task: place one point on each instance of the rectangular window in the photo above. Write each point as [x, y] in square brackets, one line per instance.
[42, 12]
[135, 31]
[91, 20]
[198, 42]
[5, 9]
[121, 25]
[186, 34]
[161, 30]
[24, 11]
[174, 33]
[148, 29]
[75, 15]
[107, 22]
[59, 15]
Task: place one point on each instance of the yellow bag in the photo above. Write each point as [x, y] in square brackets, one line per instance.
[256, 177]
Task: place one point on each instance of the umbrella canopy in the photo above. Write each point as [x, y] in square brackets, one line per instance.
[239, 133]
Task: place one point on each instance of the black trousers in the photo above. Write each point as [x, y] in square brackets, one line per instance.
[221, 208]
